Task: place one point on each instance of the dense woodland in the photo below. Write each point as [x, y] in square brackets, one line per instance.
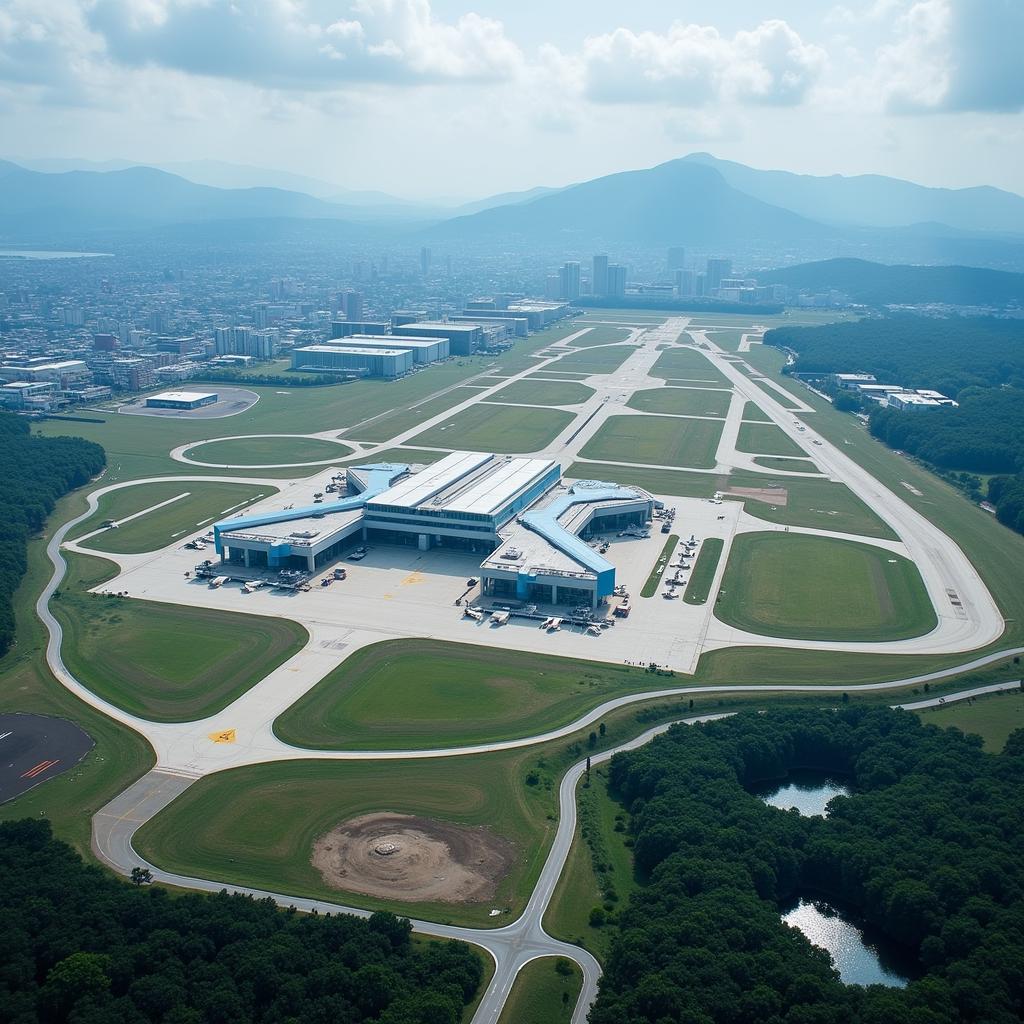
[36, 471]
[915, 352]
[927, 850]
[77, 945]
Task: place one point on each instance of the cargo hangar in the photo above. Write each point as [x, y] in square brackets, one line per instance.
[529, 527]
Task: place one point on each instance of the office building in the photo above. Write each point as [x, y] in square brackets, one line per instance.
[686, 283]
[569, 281]
[599, 274]
[352, 303]
[718, 270]
[425, 257]
[676, 257]
[616, 281]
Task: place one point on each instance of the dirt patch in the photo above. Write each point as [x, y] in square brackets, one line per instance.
[769, 495]
[399, 856]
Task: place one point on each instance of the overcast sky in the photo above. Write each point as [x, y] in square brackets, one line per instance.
[470, 97]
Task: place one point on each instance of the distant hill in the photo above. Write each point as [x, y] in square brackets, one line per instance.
[876, 284]
[35, 205]
[658, 206]
[873, 200]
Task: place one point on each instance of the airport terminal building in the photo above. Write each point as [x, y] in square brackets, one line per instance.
[530, 529]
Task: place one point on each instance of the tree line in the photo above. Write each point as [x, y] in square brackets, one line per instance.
[77, 945]
[947, 355]
[927, 850]
[36, 471]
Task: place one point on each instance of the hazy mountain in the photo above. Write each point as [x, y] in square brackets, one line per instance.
[658, 206]
[873, 200]
[502, 199]
[34, 205]
[876, 284]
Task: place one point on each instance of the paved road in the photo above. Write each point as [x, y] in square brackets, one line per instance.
[34, 748]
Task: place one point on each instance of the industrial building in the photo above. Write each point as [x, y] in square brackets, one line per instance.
[353, 359]
[529, 527]
[424, 350]
[181, 400]
[346, 328]
[463, 339]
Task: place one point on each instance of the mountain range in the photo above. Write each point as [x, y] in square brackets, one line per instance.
[696, 201]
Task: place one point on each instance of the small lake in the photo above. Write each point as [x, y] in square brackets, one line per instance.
[807, 791]
[47, 254]
[860, 957]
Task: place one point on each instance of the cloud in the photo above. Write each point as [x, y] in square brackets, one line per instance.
[692, 65]
[292, 44]
[955, 56]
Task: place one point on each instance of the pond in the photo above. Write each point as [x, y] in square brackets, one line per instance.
[860, 956]
[807, 791]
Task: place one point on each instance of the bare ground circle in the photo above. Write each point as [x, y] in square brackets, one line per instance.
[401, 856]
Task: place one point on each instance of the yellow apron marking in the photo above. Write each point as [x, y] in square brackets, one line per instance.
[226, 736]
[412, 578]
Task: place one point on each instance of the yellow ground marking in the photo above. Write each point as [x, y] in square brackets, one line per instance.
[413, 577]
[225, 736]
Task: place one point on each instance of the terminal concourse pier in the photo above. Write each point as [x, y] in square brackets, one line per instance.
[531, 529]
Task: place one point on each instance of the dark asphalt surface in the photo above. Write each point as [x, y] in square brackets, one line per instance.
[34, 748]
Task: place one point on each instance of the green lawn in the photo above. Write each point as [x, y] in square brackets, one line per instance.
[553, 375]
[682, 401]
[753, 412]
[650, 588]
[168, 663]
[267, 451]
[203, 503]
[391, 424]
[402, 455]
[766, 439]
[698, 589]
[686, 364]
[772, 462]
[489, 428]
[992, 717]
[541, 994]
[816, 588]
[656, 440]
[540, 392]
[602, 334]
[594, 361]
[419, 694]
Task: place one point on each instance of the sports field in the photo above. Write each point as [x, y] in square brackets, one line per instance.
[992, 717]
[489, 428]
[168, 663]
[682, 401]
[268, 451]
[541, 392]
[419, 694]
[686, 364]
[816, 588]
[656, 440]
[194, 504]
[544, 992]
[766, 439]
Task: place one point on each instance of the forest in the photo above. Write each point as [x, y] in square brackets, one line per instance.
[36, 471]
[927, 849]
[78, 945]
[947, 355]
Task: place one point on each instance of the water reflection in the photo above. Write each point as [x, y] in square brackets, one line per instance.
[807, 792]
[859, 958]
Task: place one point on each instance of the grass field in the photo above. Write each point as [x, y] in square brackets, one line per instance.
[772, 462]
[753, 412]
[489, 428]
[698, 589]
[554, 375]
[541, 392]
[541, 994]
[168, 663]
[204, 502]
[420, 694]
[686, 364]
[766, 439]
[383, 428]
[266, 451]
[656, 440]
[992, 717]
[682, 401]
[602, 334]
[816, 588]
[650, 587]
[593, 361]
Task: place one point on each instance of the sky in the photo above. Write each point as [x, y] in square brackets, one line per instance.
[464, 98]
